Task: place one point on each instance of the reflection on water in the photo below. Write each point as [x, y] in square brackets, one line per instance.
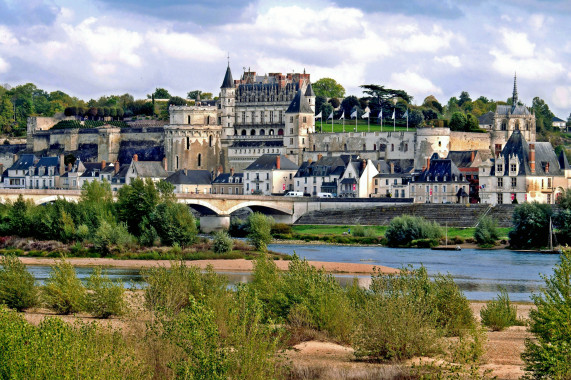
[480, 274]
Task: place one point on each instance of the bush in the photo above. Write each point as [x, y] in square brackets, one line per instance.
[259, 228]
[281, 229]
[17, 286]
[64, 292]
[110, 235]
[105, 298]
[238, 228]
[548, 355]
[499, 313]
[82, 232]
[530, 225]
[402, 230]
[486, 232]
[222, 242]
[358, 231]
[175, 224]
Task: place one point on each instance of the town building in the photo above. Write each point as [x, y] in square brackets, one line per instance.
[269, 174]
[321, 176]
[228, 183]
[191, 181]
[155, 170]
[357, 179]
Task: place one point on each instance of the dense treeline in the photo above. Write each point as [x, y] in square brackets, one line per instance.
[144, 213]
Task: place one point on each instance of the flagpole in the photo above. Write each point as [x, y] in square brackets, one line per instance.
[356, 117]
[395, 120]
[381, 120]
[333, 118]
[407, 120]
[369, 123]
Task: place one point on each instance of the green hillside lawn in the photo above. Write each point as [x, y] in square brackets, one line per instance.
[361, 126]
[464, 233]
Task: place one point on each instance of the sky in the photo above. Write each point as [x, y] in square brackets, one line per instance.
[90, 48]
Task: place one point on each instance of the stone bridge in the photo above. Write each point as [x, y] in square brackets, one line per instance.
[216, 208]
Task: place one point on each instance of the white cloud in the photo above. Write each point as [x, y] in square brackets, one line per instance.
[184, 46]
[536, 21]
[104, 43]
[414, 84]
[4, 66]
[534, 68]
[425, 42]
[451, 60]
[517, 44]
[562, 97]
[7, 37]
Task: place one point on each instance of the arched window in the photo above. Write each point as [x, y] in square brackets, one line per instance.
[504, 126]
[235, 132]
[187, 143]
[314, 147]
[188, 119]
[517, 125]
[199, 159]
[253, 132]
[262, 132]
[207, 120]
[210, 140]
[374, 146]
[271, 132]
[244, 132]
[280, 132]
[345, 147]
[177, 162]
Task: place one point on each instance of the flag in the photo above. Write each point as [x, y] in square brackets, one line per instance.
[319, 116]
[393, 114]
[342, 115]
[354, 114]
[406, 114]
[330, 116]
[365, 115]
[381, 114]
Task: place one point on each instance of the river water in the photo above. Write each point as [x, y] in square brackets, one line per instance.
[479, 273]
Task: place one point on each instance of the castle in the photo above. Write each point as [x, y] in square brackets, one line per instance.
[255, 115]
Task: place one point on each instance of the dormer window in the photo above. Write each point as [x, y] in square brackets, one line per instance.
[513, 167]
[499, 168]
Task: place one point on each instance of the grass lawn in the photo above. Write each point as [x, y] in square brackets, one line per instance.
[380, 230]
[361, 126]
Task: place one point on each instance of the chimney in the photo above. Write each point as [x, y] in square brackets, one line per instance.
[532, 157]
[392, 168]
[103, 163]
[16, 158]
[61, 164]
[363, 164]
[278, 162]
[472, 155]
[427, 163]
[116, 167]
[165, 163]
[546, 167]
[309, 160]
[219, 171]
[319, 156]
[135, 157]
[232, 172]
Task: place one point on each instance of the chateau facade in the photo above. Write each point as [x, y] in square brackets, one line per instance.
[269, 114]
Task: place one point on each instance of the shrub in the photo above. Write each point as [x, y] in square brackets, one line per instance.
[17, 286]
[222, 242]
[358, 231]
[64, 292]
[402, 230]
[259, 227]
[281, 229]
[486, 231]
[105, 298]
[530, 225]
[82, 232]
[499, 313]
[169, 289]
[110, 235]
[238, 228]
[175, 224]
[548, 356]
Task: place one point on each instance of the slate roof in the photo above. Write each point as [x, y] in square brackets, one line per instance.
[462, 158]
[150, 169]
[258, 144]
[45, 162]
[24, 162]
[325, 166]
[440, 168]
[299, 104]
[556, 119]
[563, 163]
[228, 81]
[486, 119]
[349, 181]
[225, 178]
[92, 169]
[512, 110]
[518, 146]
[268, 162]
[190, 177]
[309, 90]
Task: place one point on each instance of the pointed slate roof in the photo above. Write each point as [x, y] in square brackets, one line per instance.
[268, 162]
[228, 81]
[563, 163]
[299, 104]
[309, 91]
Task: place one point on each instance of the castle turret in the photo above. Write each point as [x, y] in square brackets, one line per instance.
[227, 103]
[310, 96]
[299, 124]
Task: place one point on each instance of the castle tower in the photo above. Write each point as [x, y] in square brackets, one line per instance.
[299, 124]
[310, 96]
[227, 104]
[514, 95]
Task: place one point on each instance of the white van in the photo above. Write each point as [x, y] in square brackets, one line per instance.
[294, 194]
[324, 195]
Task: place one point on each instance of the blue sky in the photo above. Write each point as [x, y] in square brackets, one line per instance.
[90, 48]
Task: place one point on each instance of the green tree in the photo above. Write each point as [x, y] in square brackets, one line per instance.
[548, 355]
[96, 192]
[464, 97]
[259, 230]
[431, 102]
[486, 232]
[17, 286]
[6, 113]
[161, 93]
[543, 114]
[416, 118]
[319, 102]
[530, 225]
[136, 201]
[348, 104]
[64, 292]
[329, 88]
[174, 224]
[472, 123]
[195, 93]
[457, 121]
[177, 101]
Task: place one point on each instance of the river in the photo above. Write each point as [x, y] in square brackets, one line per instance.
[479, 273]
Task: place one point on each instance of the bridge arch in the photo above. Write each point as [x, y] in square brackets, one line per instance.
[53, 198]
[262, 207]
[202, 206]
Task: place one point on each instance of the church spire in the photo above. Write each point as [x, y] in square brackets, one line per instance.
[228, 81]
[514, 96]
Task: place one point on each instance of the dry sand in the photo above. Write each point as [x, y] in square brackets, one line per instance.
[236, 265]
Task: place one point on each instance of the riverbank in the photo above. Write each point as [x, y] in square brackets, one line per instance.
[236, 265]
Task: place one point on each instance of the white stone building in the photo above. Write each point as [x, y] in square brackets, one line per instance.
[269, 174]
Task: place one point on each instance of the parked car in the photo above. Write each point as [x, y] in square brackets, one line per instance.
[324, 195]
[294, 194]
